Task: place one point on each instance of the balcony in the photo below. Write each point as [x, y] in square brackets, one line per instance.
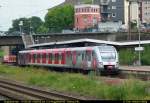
[105, 2]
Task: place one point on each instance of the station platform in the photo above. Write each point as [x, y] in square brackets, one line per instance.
[135, 68]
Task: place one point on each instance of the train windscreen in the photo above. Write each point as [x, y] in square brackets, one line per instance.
[108, 56]
[107, 53]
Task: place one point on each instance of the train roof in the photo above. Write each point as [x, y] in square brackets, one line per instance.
[65, 49]
[94, 41]
[81, 41]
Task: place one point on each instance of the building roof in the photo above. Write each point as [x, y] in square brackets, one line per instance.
[95, 41]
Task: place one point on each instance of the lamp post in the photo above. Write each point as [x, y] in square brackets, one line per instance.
[30, 30]
[20, 25]
[129, 21]
[139, 43]
[30, 27]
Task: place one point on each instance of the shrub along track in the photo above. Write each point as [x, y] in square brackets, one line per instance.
[17, 91]
[125, 72]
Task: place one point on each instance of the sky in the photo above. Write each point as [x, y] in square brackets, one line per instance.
[15, 9]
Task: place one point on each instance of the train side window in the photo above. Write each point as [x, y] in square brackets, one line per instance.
[44, 56]
[82, 55]
[88, 55]
[60, 56]
[68, 53]
[56, 57]
[93, 54]
[29, 57]
[38, 56]
[34, 56]
[50, 57]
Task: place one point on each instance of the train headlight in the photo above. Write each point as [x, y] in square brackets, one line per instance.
[117, 64]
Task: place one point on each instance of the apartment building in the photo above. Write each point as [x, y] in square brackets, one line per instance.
[118, 10]
[114, 10]
[145, 12]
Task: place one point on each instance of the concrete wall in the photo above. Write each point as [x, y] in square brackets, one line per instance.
[5, 49]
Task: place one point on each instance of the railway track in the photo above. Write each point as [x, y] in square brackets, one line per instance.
[14, 90]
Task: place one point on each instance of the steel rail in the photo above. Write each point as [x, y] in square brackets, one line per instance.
[35, 92]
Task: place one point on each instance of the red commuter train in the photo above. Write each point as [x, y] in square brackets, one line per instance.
[9, 59]
[100, 58]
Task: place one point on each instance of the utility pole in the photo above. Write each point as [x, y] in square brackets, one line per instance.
[139, 43]
[129, 21]
[20, 25]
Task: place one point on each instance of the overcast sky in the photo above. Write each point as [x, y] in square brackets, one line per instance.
[14, 9]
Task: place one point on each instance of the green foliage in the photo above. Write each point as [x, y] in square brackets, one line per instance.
[35, 23]
[145, 55]
[87, 1]
[2, 53]
[42, 29]
[78, 83]
[133, 24]
[29, 24]
[128, 56]
[60, 18]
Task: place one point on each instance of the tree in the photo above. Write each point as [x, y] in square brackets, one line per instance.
[60, 18]
[42, 29]
[29, 24]
[133, 24]
[35, 24]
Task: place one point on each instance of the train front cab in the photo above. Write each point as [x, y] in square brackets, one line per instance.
[107, 60]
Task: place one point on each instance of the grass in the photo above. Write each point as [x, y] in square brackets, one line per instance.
[1, 53]
[78, 83]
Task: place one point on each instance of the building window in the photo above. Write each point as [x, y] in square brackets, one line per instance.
[76, 10]
[82, 9]
[94, 20]
[96, 10]
[113, 7]
[77, 20]
[91, 9]
[113, 0]
[87, 9]
[113, 14]
[85, 20]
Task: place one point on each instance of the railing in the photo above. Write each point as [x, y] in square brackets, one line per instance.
[105, 2]
[27, 40]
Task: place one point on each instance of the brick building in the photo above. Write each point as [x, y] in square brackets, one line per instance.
[86, 16]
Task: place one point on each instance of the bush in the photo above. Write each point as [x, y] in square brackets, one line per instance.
[127, 56]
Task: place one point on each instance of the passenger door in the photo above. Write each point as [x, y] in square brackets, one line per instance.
[89, 58]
